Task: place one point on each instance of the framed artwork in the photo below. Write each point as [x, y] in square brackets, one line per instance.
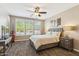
[56, 22]
[59, 21]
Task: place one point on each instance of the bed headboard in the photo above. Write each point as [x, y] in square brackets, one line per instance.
[56, 29]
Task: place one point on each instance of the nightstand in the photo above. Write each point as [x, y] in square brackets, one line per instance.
[66, 43]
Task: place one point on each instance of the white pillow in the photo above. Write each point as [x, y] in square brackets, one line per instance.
[54, 33]
[48, 33]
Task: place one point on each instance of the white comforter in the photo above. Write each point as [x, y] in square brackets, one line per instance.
[39, 40]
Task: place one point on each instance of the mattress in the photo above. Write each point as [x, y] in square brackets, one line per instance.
[39, 40]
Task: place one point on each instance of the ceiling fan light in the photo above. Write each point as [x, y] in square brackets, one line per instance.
[36, 14]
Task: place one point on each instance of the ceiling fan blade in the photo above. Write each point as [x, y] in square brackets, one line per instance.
[42, 12]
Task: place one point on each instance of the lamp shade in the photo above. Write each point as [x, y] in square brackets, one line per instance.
[69, 28]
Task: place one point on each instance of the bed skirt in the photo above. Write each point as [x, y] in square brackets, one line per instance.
[43, 47]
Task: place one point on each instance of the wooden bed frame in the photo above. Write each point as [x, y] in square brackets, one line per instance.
[43, 47]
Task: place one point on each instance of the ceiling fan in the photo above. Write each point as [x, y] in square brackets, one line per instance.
[37, 11]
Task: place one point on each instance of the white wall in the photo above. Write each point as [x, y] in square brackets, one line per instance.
[68, 18]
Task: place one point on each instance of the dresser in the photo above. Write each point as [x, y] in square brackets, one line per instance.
[66, 43]
[4, 43]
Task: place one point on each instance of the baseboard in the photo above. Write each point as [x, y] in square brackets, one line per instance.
[76, 50]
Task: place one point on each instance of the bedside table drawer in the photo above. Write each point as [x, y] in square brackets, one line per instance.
[66, 40]
[67, 43]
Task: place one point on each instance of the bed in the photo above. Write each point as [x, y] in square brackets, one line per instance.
[40, 42]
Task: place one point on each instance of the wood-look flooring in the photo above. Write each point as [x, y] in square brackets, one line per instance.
[23, 48]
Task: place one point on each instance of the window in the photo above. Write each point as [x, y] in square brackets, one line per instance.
[4, 27]
[37, 27]
[27, 26]
[20, 27]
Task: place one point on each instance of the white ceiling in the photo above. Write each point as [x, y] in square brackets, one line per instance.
[19, 9]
